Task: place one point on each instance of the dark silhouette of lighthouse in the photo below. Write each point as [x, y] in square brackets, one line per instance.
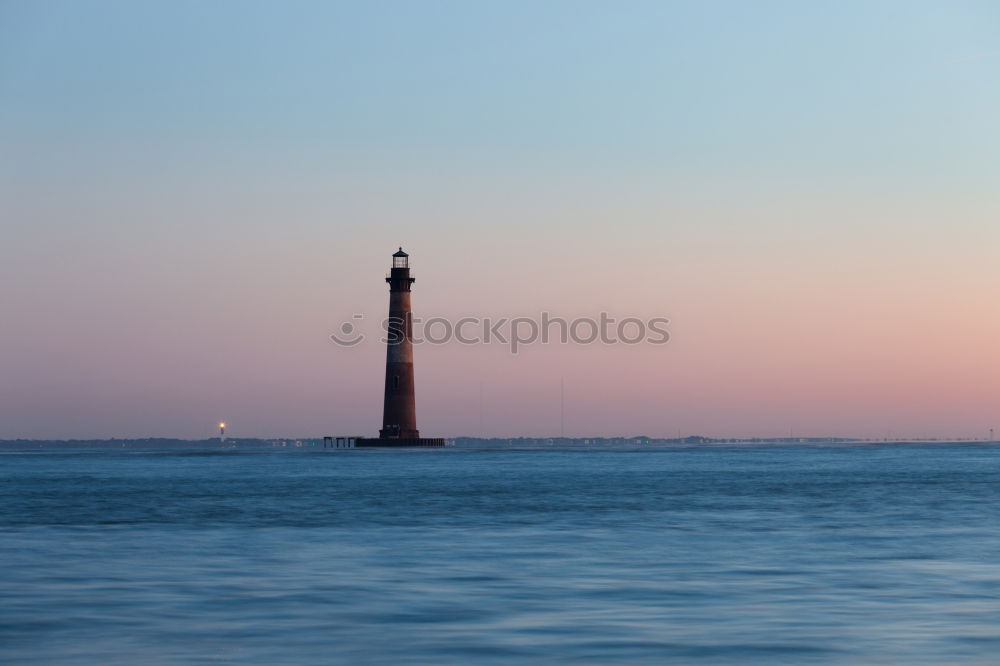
[399, 412]
[399, 409]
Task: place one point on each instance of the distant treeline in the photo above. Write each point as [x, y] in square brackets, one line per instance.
[162, 443]
[166, 443]
[532, 442]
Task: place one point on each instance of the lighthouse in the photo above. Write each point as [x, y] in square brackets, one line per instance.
[399, 411]
[399, 407]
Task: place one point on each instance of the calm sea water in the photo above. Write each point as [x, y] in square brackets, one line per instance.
[761, 555]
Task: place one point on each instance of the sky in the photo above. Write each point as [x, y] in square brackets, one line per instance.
[194, 196]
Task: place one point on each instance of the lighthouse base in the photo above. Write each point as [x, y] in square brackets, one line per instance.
[395, 442]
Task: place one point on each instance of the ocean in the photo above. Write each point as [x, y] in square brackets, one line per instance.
[765, 554]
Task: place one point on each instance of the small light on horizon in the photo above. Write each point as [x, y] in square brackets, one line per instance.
[222, 424]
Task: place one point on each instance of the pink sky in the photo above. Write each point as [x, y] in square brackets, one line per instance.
[183, 228]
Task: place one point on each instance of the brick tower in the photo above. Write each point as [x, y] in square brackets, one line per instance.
[399, 414]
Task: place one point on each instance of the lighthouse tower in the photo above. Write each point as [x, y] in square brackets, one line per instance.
[399, 414]
[399, 410]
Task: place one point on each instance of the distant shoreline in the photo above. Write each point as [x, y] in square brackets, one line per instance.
[293, 443]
